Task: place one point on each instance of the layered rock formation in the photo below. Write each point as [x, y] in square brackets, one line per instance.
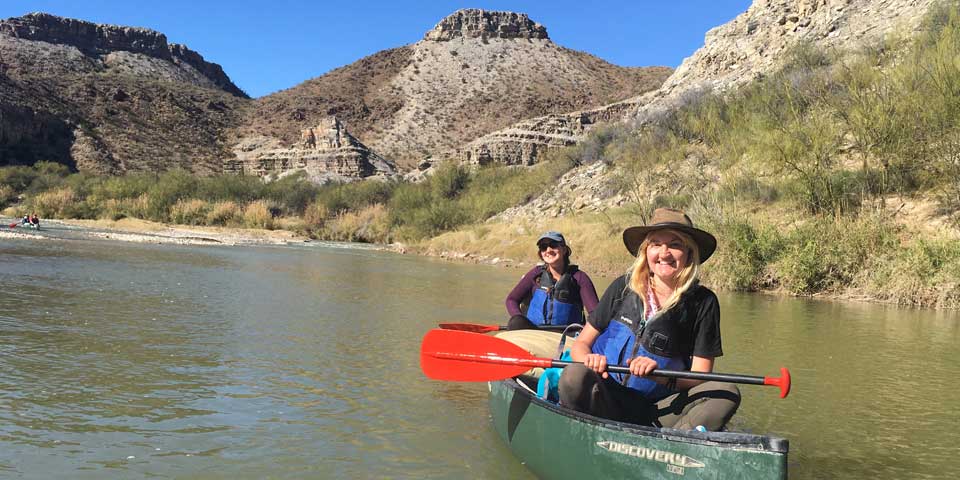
[325, 152]
[476, 72]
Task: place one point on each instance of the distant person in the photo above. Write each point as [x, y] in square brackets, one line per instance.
[555, 292]
[35, 221]
[656, 316]
[26, 220]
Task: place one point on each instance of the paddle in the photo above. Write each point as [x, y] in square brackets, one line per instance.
[13, 225]
[470, 357]
[478, 328]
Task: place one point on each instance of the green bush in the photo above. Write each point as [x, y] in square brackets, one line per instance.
[448, 181]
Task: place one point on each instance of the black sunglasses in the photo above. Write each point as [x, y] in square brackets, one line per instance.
[551, 244]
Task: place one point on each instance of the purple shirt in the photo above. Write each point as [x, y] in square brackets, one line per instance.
[524, 290]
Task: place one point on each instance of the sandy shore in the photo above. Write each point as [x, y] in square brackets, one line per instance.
[142, 231]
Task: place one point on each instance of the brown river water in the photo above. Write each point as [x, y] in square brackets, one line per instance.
[123, 360]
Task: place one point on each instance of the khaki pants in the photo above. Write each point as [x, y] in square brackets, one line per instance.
[710, 404]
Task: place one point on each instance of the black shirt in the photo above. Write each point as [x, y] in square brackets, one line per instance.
[692, 325]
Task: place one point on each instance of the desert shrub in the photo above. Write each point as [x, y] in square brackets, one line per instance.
[53, 169]
[169, 188]
[291, 193]
[7, 194]
[259, 214]
[495, 188]
[827, 254]
[369, 225]
[225, 213]
[924, 273]
[747, 251]
[19, 178]
[407, 199]
[123, 187]
[438, 217]
[354, 196]
[226, 187]
[190, 212]
[448, 180]
[315, 216]
[57, 203]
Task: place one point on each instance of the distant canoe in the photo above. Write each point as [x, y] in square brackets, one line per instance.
[557, 443]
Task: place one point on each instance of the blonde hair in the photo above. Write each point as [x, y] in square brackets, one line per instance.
[640, 270]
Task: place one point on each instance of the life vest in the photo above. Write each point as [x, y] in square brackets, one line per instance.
[556, 303]
[659, 339]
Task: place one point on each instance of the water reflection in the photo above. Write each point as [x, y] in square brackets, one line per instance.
[177, 361]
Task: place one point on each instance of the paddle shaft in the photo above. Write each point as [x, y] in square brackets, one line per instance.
[716, 377]
[549, 363]
[464, 356]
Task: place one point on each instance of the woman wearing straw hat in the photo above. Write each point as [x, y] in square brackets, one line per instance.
[556, 292]
[656, 316]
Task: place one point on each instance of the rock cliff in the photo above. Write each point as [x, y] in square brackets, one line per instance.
[96, 40]
[475, 23]
[325, 152]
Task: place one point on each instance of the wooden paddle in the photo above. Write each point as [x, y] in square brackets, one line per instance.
[471, 357]
[478, 328]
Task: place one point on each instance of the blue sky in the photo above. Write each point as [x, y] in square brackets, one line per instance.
[266, 46]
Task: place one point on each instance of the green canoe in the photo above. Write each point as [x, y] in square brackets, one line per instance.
[557, 443]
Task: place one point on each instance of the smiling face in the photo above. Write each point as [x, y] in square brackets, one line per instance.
[667, 255]
[552, 253]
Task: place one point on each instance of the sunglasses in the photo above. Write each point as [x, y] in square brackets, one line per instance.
[551, 244]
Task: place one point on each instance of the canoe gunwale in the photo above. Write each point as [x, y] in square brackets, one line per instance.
[732, 440]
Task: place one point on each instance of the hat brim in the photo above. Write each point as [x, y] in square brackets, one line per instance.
[634, 236]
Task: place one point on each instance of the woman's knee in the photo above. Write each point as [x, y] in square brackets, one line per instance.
[717, 390]
[575, 381]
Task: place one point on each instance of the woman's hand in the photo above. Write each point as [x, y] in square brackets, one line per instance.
[597, 363]
[641, 366]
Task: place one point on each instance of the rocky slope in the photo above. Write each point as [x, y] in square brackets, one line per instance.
[757, 41]
[109, 99]
[751, 45]
[476, 72]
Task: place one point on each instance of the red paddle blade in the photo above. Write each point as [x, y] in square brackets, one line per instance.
[470, 327]
[13, 225]
[783, 382]
[472, 357]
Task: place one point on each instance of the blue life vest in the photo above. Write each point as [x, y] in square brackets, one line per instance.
[629, 335]
[556, 303]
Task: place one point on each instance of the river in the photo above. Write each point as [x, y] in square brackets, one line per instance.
[124, 360]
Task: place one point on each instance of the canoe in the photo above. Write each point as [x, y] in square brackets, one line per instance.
[557, 443]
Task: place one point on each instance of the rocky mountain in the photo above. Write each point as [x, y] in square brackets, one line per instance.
[110, 99]
[757, 41]
[114, 99]
[751, 45]
[476, 72]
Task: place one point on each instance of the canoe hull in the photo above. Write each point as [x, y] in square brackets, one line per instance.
[560, 444]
